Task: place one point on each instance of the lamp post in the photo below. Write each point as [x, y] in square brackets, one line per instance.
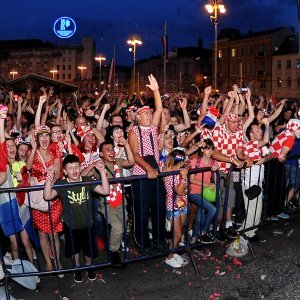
[53, 73]
[100, 58]
[213, 6]
[134, 41]
[13, 73]
[81, 68]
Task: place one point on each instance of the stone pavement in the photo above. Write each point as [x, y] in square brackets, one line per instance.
[273, 273]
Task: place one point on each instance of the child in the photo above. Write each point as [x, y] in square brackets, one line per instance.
[77, 210]
[176, 187]
[198, 182]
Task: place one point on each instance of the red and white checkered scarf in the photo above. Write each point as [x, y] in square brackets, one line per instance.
[115, 195]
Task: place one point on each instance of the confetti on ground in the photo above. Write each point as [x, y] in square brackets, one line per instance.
[100, 278]
[290, 232]
[176, 272]
[263, 277]
[219, 273]
[144, 271]
[238, 276]
[215, 296]
[277, 231]
[237, 262]
[189, 283]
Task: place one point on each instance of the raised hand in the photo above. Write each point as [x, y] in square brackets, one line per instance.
[99, 165]
[207, 90]
[182, 103]
[43, 99]
[153, 85]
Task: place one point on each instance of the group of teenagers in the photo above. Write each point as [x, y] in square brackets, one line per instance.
[69, 147]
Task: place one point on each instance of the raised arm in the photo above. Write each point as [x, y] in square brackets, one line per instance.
[278, 110]
[19, 114]
[186, 118]
[204, 105]
[129, 162]
[102, 189]
[153, 85]
[37, 119]
[265, 139]
[250, 111]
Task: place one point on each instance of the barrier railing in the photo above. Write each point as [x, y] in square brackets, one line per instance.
[279, 184]
[257, 212]
[158, 247]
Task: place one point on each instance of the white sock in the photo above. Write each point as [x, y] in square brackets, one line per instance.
[228, 224]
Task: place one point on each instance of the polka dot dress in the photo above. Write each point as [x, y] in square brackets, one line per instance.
[43, 220]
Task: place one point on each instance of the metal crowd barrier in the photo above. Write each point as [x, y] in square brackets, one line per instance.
[275, 180]
[131, 252]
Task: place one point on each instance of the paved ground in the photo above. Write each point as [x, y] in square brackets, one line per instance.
[273, 273]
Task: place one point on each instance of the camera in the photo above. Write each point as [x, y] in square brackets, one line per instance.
[243, 90]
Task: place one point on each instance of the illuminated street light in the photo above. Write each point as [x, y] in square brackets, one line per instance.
[134, 41]
[53, 73]
[13, 73]
[100, 58]
[213, 7]
[81, 68]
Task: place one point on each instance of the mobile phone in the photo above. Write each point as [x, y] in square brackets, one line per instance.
[243, 90]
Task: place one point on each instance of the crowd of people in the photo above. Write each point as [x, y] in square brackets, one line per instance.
[59, 142]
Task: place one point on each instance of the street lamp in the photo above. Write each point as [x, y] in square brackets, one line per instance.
[100, 58]
[81, 68]
[134, 40]
[213, 6]
[53, 73]
[13, 73]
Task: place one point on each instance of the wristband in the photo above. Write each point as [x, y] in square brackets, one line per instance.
[50, 177]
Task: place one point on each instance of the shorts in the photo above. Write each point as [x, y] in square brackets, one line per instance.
[10, 220]
[176, 213]
[293, 175]
[80, 239]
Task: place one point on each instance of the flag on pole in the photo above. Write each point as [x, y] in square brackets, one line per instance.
[111, 71]
[164, 39]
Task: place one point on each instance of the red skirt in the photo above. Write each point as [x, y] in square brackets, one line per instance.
[43, 221]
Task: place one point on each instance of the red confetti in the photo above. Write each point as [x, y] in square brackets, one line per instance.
[166, 271]
[229, 268]
[238, 276]
[189, 283]
[144, 271]
[237, 262]
[217, 294]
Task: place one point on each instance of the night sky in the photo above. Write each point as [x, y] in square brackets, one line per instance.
[111, 22]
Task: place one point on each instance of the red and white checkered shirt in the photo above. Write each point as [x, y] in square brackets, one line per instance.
[146, 144]
[252, 150]
[284, 138]
[169, 185]
[206, 134]
[227, 143]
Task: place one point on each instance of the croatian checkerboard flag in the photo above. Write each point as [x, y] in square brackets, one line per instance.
[211, 116]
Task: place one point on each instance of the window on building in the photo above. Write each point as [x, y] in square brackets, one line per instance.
[278, 64]
[220, 54]
[63, 76]
[233, 52]
[64, 67]
[63, 59]
[262, 84]
[289, 82]
[242, 51]
[69, 76]
[57, 67]
[69, 67]
[288, 64]
[279, 81]
[70, 59]
[57, 76]
[251, 50]
[251, 68]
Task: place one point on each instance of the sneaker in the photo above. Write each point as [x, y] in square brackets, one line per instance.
[91, 275]
[205, 239]
[283, 216]
[173, 262]
[179, 258]
[78, 277]
[231, 233]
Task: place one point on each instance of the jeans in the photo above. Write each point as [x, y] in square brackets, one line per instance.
[205, 214]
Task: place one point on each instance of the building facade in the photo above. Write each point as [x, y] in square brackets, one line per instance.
[247, 59]
[60, 62]
[286, 69]
[185, 66]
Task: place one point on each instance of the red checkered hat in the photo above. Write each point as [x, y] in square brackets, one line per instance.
[42, 129]
[293, 125]
[232, 117]
[142, 109]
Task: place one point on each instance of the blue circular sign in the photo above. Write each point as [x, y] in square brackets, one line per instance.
[64, 27]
